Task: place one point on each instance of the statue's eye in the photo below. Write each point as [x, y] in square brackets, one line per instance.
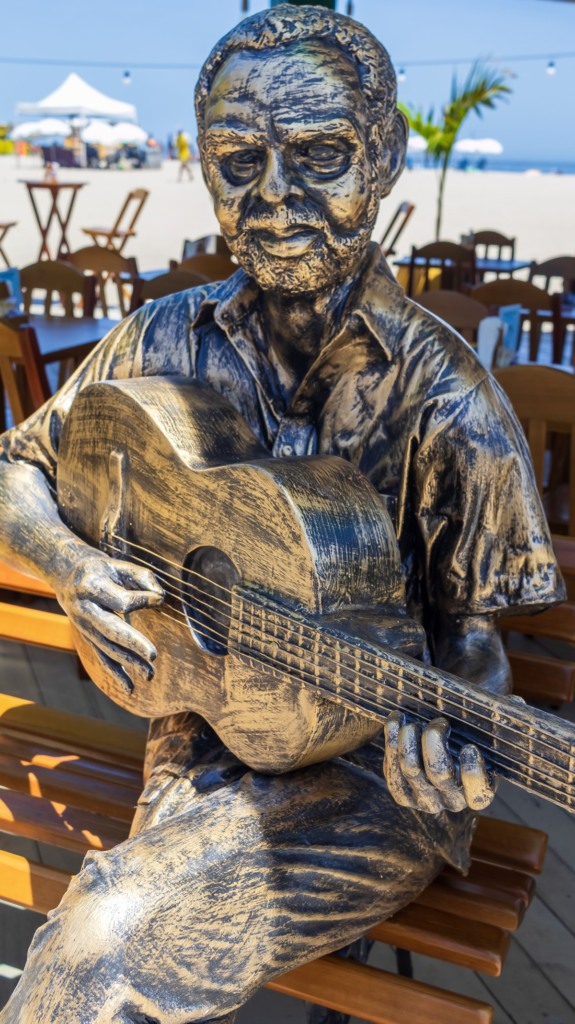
[326, 158]
[243, 165]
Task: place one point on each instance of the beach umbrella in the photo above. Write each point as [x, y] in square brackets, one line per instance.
[416, 144]
[99, 133]
[479, 147]
[129, 134]
[48, 127]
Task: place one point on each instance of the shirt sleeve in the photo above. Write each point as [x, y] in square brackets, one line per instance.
[154, 340]
[485, 536]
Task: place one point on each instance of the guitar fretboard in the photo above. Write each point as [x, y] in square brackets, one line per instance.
[529, 747]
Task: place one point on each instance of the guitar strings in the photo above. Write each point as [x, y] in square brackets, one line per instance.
[546, 778]
[393, 674]
[516, 769]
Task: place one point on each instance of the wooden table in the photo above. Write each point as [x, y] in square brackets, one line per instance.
[482, 265]
[63, 196]
[57, 334]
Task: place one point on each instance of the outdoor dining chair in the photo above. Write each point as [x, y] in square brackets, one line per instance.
[211, 244]
[164, 284]
[4, 229]
[492, 244]
[460, 311]
[557, 276]
[536, 306]
[124, 226]
[212, 267]
[543, 398]
[444, 265]
[61, 279]
[107, 266]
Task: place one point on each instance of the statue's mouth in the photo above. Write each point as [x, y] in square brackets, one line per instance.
[288, 241]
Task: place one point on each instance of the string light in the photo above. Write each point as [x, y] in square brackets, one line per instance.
[127, 78]
[401, 75]
[170, 66]
[551, 68]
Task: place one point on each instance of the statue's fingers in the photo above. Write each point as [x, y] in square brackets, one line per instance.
[411, 765]
[397, 785]
[439, 765]
[478, 788]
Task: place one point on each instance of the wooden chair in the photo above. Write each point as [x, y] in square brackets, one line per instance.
[164, 284]
[559, 269]
[537, 306]
[395, 227]
[210, 244]
[23, 369]
[61, 278]
[107, 265]
[441, 264]
[4, 229]
[460, 311]
[123, 228]
[210, 266]
[493, 245]
[543, 398]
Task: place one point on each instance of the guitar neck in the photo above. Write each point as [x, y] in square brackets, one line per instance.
[529, 747]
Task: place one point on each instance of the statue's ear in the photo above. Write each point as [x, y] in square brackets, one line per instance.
[395, 151]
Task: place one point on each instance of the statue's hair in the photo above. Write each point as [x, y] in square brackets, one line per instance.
[288, 24]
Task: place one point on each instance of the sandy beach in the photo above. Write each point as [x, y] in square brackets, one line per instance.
[538, 209]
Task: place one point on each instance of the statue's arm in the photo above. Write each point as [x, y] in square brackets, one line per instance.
[90, 587]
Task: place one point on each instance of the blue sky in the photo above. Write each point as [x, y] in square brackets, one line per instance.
[536, 122]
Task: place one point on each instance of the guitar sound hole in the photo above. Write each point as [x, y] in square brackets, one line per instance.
[207, 580]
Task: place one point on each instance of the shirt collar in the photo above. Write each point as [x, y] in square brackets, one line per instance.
[378, 301]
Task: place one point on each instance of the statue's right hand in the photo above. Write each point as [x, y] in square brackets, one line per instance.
[94, 594]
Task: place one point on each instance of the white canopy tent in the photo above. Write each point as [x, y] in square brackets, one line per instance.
[75, 98]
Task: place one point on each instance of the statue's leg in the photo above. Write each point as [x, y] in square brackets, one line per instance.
[234, 879]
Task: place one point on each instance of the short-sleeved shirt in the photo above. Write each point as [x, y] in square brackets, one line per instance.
[396, 392]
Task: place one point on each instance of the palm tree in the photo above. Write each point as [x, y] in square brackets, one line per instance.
[482, 88]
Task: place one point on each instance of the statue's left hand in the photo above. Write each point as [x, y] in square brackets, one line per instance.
[420, 771]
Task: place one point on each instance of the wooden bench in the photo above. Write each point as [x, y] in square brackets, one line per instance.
[72, 784]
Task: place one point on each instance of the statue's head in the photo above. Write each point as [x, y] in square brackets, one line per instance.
[299, 138]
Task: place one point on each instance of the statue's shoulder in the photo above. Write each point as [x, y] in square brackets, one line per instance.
[439, 351]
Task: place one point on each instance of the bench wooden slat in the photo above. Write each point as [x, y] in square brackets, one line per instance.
[40, 754]
[510, 845]
[481, 947]
[536, 677]
[73, 733]
[378, 996]
[10, 579]
[31, 626]
[57, 824]
[102, 797]
[556, 623]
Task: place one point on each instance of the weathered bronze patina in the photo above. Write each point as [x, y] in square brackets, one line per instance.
[234, 874]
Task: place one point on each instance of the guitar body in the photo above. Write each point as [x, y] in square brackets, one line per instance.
[166, 473]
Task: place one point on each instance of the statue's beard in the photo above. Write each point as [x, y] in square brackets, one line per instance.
[330, 259]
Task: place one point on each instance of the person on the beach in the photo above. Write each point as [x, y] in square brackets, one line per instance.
[231, 877]
[184, 154]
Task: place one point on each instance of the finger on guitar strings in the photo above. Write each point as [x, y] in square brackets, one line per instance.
[439, 765]
[411, 764]
[397, 785]
[137, 578]
[479, 787]
[116, 638]
[112, 595]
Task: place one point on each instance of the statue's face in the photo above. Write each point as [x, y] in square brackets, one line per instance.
[288, 167]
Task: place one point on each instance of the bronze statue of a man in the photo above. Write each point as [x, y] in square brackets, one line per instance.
[232, 876]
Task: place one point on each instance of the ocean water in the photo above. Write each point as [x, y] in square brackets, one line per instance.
[499, 163]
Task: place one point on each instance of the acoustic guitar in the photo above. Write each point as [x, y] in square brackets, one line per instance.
[283, 622]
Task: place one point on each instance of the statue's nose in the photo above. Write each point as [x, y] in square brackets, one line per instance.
[277, 181]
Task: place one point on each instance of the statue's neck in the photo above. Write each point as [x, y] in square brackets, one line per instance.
[298, 327]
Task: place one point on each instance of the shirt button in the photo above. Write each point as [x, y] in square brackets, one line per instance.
[286, 450]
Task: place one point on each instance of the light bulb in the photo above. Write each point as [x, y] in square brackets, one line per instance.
[127, 78]
[401, 75]
[551, 69]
